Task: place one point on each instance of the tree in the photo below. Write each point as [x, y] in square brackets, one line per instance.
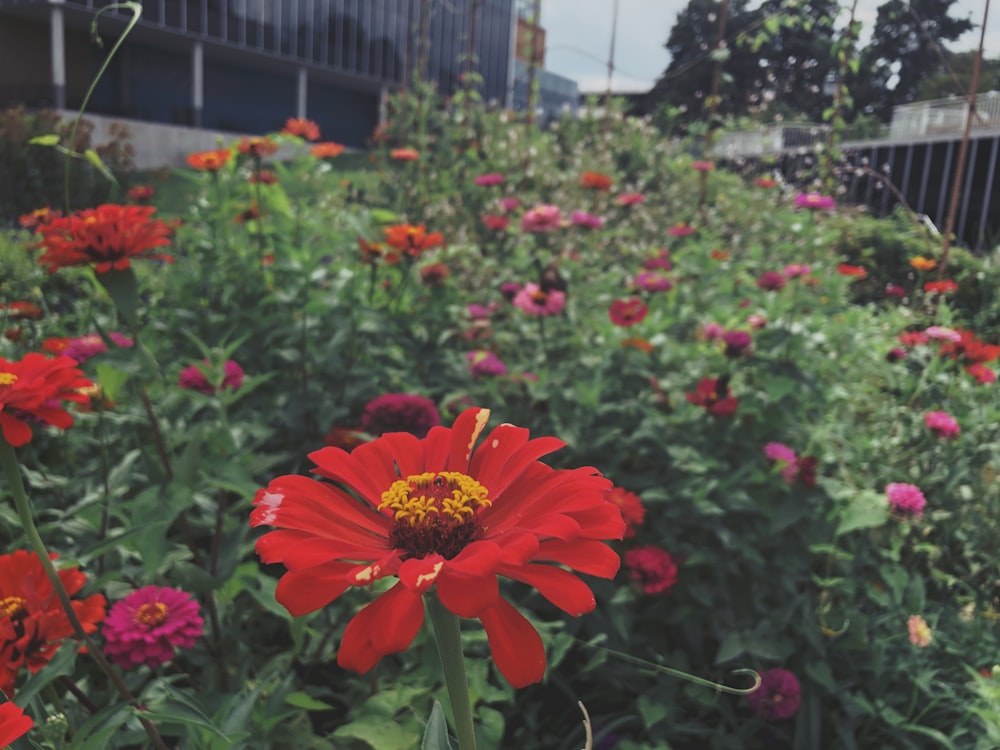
[943, 85]
[903, 51]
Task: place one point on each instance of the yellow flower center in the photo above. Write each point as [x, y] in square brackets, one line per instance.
[7, 378]
[152, 613]
[435, 512]
[11, 605]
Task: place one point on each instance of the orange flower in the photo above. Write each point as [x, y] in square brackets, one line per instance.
[412, 240]
[765, 182]
[719, 255]
[38, 217]
[301, 128]
[595, 181]
[108, 237]
[923, 264]
[141, 193]
[20, 310]
[264, 177]
[847, 270]
[210, 161]
[327, 150]
[404, 154]
[638, 343]
[257, 147]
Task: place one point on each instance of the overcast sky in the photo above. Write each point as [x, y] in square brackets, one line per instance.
[578, 37]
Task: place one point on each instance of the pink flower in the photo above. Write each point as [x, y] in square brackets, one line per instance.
[541, 219]
[906, 499]
[630, 199]
[660, 261]
[536, 301]
[400, 412]
[756, 322]
[702, 166]
[737, 343]
[483, 363]
[814, 201]
[944, 334]
[149, 624]
[794, 270]
[785, 458]
[919, 630]
[648, 281]
[489, 180]
[771, 281]
[509, 290]
[983, 374]
[588, 221]
[680, 230]
[653, 568]
[712, 331]
[895, 354]
[83, 348]
[895, 290]
[194, 378]
[778, 697]
[481, 312]
[509, 204]
[942, 424]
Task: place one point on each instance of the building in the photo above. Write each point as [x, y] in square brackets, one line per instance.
[247, 65]
[557, 95]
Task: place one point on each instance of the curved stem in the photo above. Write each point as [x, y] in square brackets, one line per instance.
[11, 469]
[448, 636]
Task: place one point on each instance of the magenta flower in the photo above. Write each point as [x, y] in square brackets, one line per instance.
[541, 219]
[148, 625]
[509, 204]
[794, 270]
[540, 302]
[712, 331]
[737, 343]
[771, 281]
[680, 230]
[895, 290]
[652, 567]
[942, 424]
[702, 166]
[509, 290]
[489, 180]
[588, 221]
[83, 348]
[194, 378]
[484, 363]
[648, 281]
[778, 697]
[756, 322]
[895, 354]
[400, 412]
[481, 312]
[785, 458]
[660, 261]
[814, 201]
[627, 312]
[906, 499]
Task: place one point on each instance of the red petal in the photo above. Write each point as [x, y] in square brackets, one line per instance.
[602, 522]
[466, 595]
[517, 547]
[559, 586]
[506, 453]
[554, 525]
[303, 549]
[301, 592]
[585, 555]
[517, 648]
[15, 432]
[467, 428]
[385, 626]
[419, 574]
[340, 466]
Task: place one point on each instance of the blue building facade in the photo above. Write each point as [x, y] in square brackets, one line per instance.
[247, 65]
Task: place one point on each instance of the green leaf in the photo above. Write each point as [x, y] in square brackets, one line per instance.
[866, 511]
[302, 699]
[124, 291]
[95, 159]
[50, 139]
[169, 705]
[436, 732]
[652, 711]
[384, 216]
[111, 379]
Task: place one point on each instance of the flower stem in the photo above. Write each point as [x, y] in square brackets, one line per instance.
[449, 642]
[12, 470]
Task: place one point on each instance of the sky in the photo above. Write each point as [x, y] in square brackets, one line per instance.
[578, 38]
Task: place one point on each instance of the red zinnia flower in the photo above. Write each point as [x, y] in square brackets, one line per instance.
[13, 723]
[941, 287]
[627, 312]
[765, 182]
[653, 568]
[847, 270]
[630, 199]
[263, 177]
[20, 310]
[970, 348]
[702, 166]
[38, 217]
[328, 150]
[434, 274]
[983, 374]
[412, 239]
[301, 128]
[496, 223]
[400, 412]
[713, 394]
[141, 193]
[108, 237]
[404, 154]
[631, 507]
[257, 147]
[595, 181]
[210, 161]
[32, 388]
[442, 513]
[32, 621]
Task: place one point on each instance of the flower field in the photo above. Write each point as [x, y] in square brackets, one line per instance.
[430, 452]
